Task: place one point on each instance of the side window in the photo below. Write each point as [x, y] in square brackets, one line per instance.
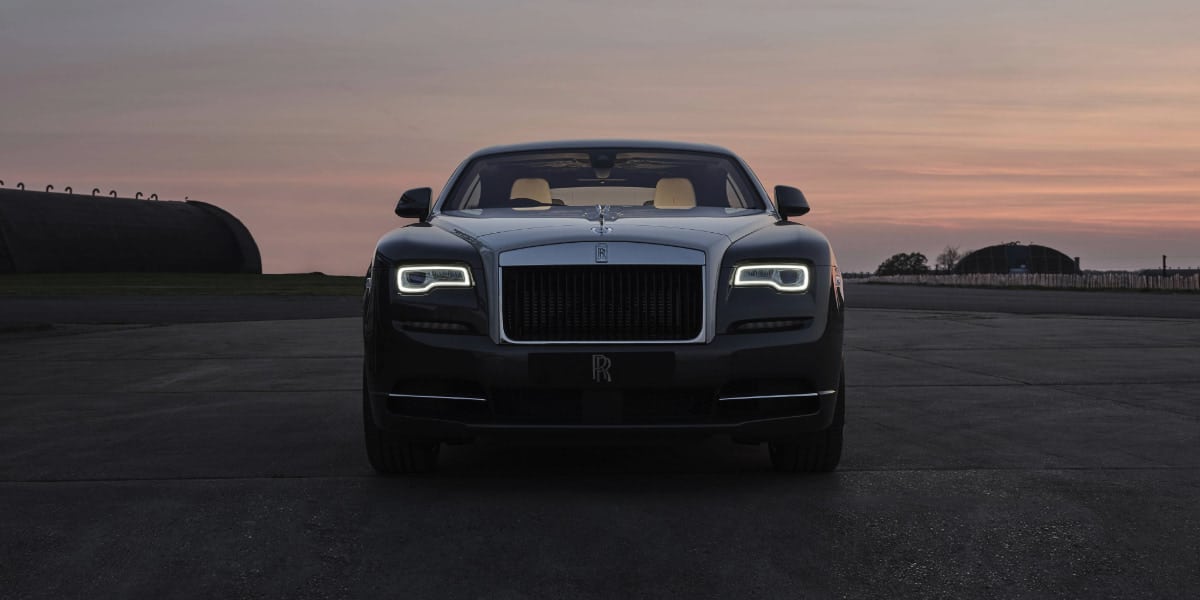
[733, 195]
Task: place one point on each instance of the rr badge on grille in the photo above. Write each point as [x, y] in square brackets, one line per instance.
[601, 253]
[600, 366]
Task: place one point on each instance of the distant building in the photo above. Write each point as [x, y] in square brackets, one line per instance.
[46, 232]
[1017, 258]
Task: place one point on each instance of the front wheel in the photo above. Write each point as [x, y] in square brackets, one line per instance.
[392, 454]
[819, 452]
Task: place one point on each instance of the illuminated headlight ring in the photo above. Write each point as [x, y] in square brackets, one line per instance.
[792, 278]
[419, 279]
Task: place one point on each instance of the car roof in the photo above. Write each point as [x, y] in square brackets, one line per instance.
[601, 143]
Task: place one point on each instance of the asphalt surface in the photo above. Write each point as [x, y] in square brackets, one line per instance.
[988, 455]
[1181, 305]
[40, 310]
[25, 310]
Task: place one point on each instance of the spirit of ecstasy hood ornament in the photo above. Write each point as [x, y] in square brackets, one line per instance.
[602, 212]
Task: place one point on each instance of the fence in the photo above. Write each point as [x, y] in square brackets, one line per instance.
[1086, 281]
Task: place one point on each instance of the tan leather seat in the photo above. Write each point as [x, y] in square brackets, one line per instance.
[674, 193]
[534, 188]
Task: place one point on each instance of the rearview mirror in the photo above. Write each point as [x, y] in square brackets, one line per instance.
[414, 204]
[790, 201]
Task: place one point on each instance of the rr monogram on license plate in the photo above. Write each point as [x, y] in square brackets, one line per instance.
[601, 369]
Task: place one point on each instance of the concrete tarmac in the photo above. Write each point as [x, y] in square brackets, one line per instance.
[1101, 303]
[988, 455]
[22, 311]
[28, 310]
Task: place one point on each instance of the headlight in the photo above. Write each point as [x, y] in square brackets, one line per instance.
[784, 278]
[422, 278]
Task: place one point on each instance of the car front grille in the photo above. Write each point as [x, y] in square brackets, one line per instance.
[603, 303]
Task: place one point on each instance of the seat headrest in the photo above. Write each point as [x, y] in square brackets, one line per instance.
[674, 192]
[534, 188]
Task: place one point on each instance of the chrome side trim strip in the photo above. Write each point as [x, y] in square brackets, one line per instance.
[805, 395]
[470, 398]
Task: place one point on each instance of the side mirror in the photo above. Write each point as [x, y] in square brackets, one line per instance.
[790, 201]
[414, 204]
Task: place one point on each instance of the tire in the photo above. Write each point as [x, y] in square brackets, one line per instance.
[392, 454]
[819, 452]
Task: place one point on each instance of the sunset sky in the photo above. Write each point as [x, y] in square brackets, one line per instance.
[909, 125]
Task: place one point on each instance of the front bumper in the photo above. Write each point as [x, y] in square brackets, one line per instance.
[751, 386]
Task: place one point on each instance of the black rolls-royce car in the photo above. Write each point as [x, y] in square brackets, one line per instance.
[622, 288]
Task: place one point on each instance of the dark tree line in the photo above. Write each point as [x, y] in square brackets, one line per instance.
[914, 263]
[904, 263]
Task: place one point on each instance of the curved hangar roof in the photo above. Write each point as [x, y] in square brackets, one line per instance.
[45, 232]
[1016, 258]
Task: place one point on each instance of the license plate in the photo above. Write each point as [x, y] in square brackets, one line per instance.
[601, 369]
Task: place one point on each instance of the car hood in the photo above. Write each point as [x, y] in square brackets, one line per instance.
[499, 234]
[445, 237]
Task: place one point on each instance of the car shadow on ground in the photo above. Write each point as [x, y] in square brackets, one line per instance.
[703, 459]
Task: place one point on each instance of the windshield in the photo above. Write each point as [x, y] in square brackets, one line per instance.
[645, 182]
